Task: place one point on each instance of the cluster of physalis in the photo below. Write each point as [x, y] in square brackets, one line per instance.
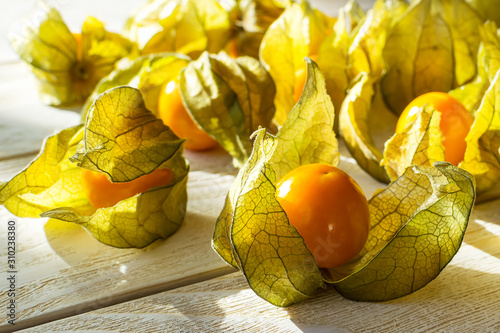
[414, 90]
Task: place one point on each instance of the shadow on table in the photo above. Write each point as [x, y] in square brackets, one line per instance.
[216, 160]
[124, 275]
[457, 298]
[487, 241]
[484, 216]
[71, 242]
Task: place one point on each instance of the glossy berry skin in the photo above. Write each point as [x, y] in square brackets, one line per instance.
[173, 114]
[101, 192]
[328, 209]
[455, 122]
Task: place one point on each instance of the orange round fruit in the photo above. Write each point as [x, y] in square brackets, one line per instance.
[101, 192]
[455, 122]
[172, 112]
[328, 209]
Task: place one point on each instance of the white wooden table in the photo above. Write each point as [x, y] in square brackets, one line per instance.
[67, 281]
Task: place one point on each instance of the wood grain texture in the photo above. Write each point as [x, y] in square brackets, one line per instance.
[463, 298]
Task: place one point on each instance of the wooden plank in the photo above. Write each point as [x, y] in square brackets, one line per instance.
[463, 298]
